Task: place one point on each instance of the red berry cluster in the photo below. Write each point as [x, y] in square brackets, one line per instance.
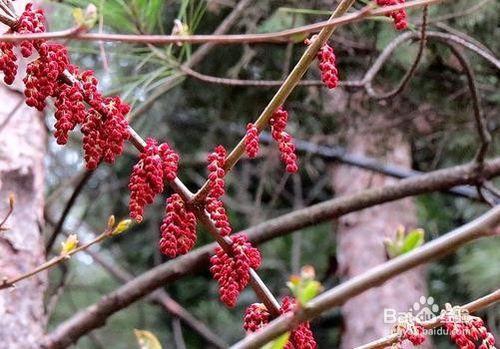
[257, 316]
[285, 143]
[8, 65]
[213, 202]
[252, 141]
[178, 229]
[468, 332]
[233, 272]
[399, 17]
[327, 66]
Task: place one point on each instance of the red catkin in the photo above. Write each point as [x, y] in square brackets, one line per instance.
[285, 142]
[399, 17]
[170, 161]
[252, 141]
[31, 21]
[327, 66]
[216, 161]
[8, 62]
[70, 110]
[42, 74]
[213, 204]
[233, 272]
[146, 180]
[468, 332]
[178, 228]
[256, 316]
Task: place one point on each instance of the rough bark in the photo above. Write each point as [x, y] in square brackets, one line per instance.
[360, 238]
[22, 146]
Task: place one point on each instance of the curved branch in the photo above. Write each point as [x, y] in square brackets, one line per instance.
[406, 78]
[337, 296]
[283, 36]
[443, 37]
[96, 315]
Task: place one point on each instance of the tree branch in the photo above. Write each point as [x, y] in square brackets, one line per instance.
[283, 36]
[96, 315]
[337, 296]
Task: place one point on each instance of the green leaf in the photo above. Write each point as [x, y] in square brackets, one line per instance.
[147, 340]
[413, 239]
[278, 343]
[308, 291]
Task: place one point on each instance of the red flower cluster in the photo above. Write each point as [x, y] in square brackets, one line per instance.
[8, 64]
[105, 132]
[42, 75]
[31, 21]
[285, 143]
[399, 16]
[327, 66]
[146, 180]
[252, 141]
[178, 229]
[257, 316]
[104, 125]
[467, 331]
[213, 203]
[70, 110]
[233, 272]
[170, 161]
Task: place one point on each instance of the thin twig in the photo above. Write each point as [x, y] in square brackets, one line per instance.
[257, 83]
[283, 36]
[7, 283]
[67, 208]
[482, 128]
[11, 114]
[406, 78]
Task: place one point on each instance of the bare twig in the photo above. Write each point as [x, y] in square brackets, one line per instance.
[406, 78]
[9, 212]
[95, 315]
[7, 283]
[442, 37]
[482, 129]
[279, 37]
[480, 227]
[60, 223]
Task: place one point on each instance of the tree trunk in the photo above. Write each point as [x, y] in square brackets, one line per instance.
[22, 147]
[360, 237]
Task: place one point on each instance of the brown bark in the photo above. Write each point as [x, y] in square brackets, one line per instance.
[360, 238]
[22, 147]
